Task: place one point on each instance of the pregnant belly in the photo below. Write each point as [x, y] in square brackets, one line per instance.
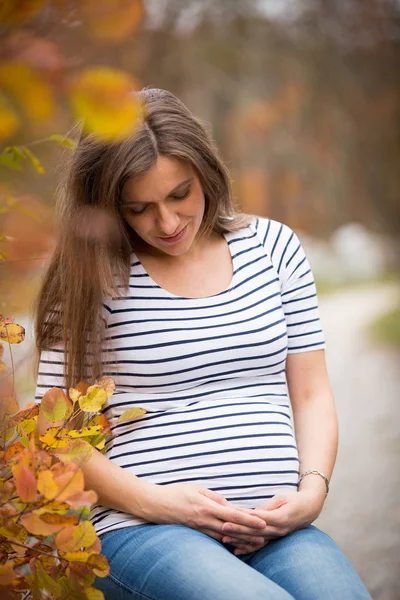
[246, 453]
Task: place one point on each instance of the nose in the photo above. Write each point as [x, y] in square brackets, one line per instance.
[167, 221]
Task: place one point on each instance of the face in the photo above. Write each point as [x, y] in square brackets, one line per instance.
[165, 206]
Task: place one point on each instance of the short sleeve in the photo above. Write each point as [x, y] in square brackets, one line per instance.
[298, 291]
[52, 365]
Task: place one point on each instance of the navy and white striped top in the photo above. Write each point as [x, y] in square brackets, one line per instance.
[210, 373]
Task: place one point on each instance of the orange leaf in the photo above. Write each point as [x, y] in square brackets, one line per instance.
[55, 405]
[13, 450]
[9, 123]
[29, 89]
[82, 500]
[36, 526]
[6, 491]
[24, 415]
[79, 390]
[25, 482]
[17, 12]
[57, 519]
[99, 564]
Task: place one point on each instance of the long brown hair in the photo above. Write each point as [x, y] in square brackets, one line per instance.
[94, 243]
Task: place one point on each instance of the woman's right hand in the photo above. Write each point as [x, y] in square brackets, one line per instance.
[198, 508]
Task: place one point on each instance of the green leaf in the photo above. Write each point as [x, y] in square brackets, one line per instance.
[10, 161]
[62, 140]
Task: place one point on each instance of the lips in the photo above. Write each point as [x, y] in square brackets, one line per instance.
[174, 238]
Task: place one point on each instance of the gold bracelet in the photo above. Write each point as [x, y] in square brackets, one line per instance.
[313, 472]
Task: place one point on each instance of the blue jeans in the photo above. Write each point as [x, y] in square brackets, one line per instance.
[174, 562]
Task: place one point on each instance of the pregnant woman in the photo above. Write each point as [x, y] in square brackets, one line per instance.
[207, 319]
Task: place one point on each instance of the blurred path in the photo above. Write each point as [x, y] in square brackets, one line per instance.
[362, 512]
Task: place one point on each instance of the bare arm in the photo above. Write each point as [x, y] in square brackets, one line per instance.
[314, 416]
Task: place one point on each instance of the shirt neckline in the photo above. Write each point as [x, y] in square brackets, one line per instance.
[230, 285]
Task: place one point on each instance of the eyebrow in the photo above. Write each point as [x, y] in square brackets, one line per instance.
[171, 193]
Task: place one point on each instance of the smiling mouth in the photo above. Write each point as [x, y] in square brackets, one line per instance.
[173, 238]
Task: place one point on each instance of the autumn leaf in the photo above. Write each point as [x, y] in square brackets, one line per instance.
[79, 390]
[99, 564]
[25, 483]
[130, 414]
[36, 526]
[111, 20]
[94, 594]
[86, 431]
[62, 140]
[46, 484]
[108, 385]
[11, 333]
[52, 442]
[29, 89]
[57, 519]
[96, 92]
[78, 451]
[45, 581]
[93, 400]
[82, 499]
[7, 574]
[101, 420]
[73, 539]
[55, 405]
[6, 491]
[13, 450]
[24, 415]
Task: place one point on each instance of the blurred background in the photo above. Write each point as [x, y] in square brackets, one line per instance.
[303, 99]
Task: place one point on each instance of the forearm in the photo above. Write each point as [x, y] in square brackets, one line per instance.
[115, 487]
[317, 437]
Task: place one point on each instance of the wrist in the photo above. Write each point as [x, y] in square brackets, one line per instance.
[142, 500]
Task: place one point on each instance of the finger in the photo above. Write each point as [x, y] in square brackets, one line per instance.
[273, 518]
[211, 533]
[231, 515]
[255, 541]
[247, 548]
[215, 496]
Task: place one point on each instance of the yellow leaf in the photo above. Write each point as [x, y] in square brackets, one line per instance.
[62, 140]
[78, 451]
[130, 414]
[93, 430]
[58, 519]
[76, 556]
[12, 333]
[14, 450]
[72, 539]
[46, 484]
[45, 581]
[94, 594]
[30, 90]
[52, 441]
[94, 95]
[93, 400]
[55, 405]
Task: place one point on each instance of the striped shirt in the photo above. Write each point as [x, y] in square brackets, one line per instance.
[210, 372]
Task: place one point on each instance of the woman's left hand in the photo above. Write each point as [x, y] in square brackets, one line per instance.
[283, 513]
